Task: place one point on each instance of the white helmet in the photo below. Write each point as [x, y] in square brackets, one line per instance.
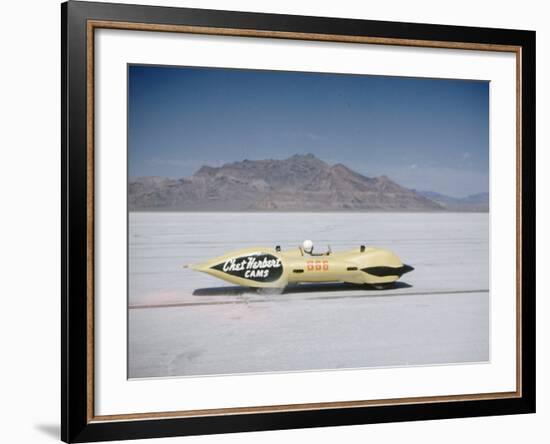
[307, 246]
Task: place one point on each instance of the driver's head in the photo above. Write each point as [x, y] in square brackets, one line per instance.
[307, 246]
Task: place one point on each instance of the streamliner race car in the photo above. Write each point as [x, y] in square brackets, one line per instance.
[274, 268]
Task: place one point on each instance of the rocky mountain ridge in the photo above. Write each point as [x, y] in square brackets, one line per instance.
[298, 183]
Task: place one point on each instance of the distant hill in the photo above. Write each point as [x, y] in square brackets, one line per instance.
[474, 202]
[299, 183]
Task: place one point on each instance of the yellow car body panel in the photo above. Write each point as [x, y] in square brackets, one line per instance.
[262, 267]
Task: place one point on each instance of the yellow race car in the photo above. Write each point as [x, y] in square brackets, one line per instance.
[273, 268]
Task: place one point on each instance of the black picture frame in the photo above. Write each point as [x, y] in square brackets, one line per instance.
[77, 424]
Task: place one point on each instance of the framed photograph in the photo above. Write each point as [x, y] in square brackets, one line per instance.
[276, 221]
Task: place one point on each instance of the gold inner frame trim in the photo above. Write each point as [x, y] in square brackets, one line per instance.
[96, 24]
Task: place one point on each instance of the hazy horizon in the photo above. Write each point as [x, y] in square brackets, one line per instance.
[425, 134]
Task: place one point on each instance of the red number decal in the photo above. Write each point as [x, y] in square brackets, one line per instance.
[317, 265]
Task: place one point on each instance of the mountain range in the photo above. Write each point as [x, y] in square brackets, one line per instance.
[298, 183]
[475, 202]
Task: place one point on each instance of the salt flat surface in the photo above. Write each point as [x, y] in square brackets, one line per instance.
[182, 322]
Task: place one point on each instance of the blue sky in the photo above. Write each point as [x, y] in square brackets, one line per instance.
[426, 134]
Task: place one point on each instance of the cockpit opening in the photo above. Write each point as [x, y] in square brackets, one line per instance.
[307, 248]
